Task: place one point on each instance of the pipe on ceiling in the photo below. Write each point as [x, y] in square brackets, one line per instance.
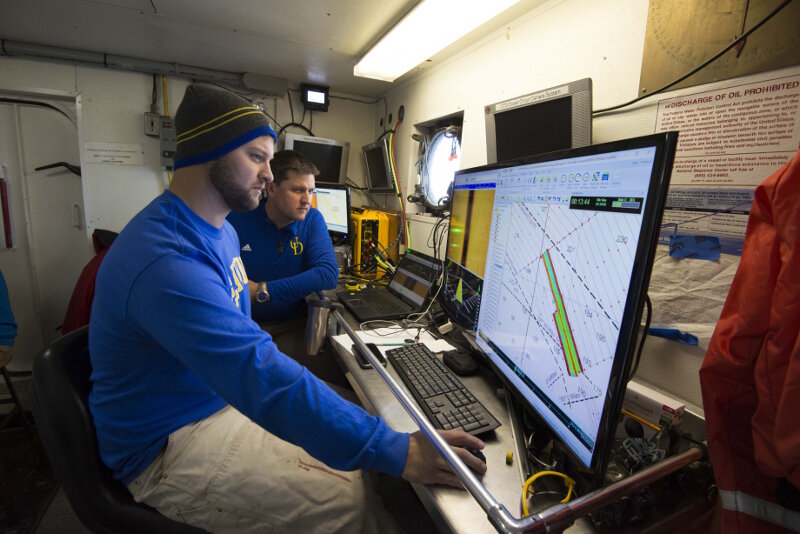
[257, 83]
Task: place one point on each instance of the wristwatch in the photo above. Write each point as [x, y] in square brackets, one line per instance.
[262, 295]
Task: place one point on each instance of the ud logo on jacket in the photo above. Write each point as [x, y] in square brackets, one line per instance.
[297, 246]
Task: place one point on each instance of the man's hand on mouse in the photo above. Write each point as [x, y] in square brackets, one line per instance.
[424, 464]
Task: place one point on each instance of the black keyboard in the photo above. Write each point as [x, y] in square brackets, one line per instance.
[440, 394]
[379, 301]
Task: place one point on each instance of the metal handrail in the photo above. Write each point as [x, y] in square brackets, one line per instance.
[554, 517]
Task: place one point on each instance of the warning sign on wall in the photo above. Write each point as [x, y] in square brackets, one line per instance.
[731, 139]
[114, 153]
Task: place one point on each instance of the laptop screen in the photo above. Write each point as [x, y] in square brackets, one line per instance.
[415, 275]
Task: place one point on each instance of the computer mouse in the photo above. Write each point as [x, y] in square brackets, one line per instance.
[633, 428]
[460, 363]
[476, 453]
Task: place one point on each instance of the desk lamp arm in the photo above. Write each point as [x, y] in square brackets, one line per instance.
[558, 516]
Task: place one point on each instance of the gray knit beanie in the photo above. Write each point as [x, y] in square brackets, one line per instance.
[211, 122]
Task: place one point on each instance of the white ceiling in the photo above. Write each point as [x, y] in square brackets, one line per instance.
[314, 41]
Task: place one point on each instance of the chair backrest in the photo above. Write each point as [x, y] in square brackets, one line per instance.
[60, 404]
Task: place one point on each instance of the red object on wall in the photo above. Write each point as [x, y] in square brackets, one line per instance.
[6, 213]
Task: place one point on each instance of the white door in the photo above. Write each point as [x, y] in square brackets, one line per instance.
[50, 242]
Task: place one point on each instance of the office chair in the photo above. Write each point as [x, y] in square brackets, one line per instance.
[60, 404]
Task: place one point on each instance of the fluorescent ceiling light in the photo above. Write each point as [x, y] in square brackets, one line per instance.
[431, 26]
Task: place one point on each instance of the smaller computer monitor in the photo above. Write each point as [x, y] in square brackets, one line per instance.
[467, 242]
[333, 202]
[329, 155]
[380, 177]
[552, 119]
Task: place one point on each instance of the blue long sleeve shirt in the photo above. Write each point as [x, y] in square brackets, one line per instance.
[171, 342]
[8, 326]
[294, 261]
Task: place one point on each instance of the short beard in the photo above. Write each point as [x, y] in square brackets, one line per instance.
[237, 198]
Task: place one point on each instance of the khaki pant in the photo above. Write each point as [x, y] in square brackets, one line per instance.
[5, 355]
[227, 474]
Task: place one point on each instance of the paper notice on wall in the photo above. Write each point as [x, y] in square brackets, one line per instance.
[114, 153]
[731, 138]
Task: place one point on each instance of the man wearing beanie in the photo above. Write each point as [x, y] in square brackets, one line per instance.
[196, 410]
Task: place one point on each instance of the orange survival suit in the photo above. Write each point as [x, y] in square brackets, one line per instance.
[750, 377]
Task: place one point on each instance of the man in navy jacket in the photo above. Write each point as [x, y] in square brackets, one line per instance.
[288, 254]
[285, 245]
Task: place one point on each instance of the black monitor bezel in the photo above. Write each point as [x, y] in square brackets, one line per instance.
[665, 144]
[341, 187]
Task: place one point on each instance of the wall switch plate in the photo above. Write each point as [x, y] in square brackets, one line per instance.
[152, 124]
[168, 140]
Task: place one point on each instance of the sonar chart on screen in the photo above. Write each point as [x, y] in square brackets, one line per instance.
[558, 271]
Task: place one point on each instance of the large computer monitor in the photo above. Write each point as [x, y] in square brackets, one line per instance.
[333, 201]
[571, 246]
[329, 155]
[380, 176]
[556, 118]
[467, 240]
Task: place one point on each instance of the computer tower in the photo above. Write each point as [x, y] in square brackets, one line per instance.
[373, 232]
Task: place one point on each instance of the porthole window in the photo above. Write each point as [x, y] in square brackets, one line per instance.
[442, 160]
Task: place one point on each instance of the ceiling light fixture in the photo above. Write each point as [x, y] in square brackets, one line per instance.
[428, 28]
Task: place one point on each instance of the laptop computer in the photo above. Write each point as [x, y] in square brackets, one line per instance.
[408, 290]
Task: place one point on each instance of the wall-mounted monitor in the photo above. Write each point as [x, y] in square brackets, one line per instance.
[314, 97]
[552, 119]
[333, 202]
[380, 177]
[571, 246]
[329, 155]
